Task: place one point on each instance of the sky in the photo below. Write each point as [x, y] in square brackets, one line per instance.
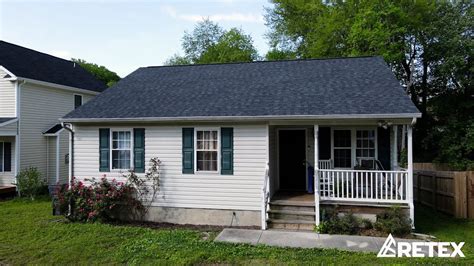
[122, 35]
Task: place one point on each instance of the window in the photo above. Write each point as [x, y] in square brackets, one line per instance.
[1, 157]
[77, 100]
[207, 150]
[121, 149]
[365, 144]
[342, 149]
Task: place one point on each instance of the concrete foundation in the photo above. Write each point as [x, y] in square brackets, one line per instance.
[203, 216]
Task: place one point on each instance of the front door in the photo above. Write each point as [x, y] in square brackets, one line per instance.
[292, 159]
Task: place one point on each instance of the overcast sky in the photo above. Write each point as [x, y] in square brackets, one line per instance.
[123, 34]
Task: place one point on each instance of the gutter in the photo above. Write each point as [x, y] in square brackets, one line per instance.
[244, 118]
[71, 150]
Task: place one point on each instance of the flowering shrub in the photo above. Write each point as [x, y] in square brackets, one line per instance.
[101, 200]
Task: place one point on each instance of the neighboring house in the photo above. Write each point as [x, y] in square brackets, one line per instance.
[238, 142]
[37, 89]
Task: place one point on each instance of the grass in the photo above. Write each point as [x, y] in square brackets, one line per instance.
[29, 234]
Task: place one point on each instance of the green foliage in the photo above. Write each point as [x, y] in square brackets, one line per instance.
[101, 200]
[403, 158]
[100, 72]
[209, 43]
[30, 183]
[333, 223]
[428, 44]
[393, 221]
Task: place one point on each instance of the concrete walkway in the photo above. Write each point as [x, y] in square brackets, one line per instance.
[299, 239]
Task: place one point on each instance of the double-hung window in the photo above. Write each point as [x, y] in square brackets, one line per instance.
[121, 149]
[365, 144]
[342, 149]
[207, 150]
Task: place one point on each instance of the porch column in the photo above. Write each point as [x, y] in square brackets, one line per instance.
[410, 174]
[316, 174]
[394, 149]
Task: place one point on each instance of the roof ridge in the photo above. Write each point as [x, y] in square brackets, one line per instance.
[36, 51]
[270, 61]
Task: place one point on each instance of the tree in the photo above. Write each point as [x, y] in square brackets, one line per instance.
[428, 45]
[100, 72]
[209, 43]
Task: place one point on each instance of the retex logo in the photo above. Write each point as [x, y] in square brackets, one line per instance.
[392, 248]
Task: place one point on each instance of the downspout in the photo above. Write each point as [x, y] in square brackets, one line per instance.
[71, 150]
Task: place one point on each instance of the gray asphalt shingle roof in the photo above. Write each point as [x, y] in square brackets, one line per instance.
[315, 87]
[6, 119]
[27, 63]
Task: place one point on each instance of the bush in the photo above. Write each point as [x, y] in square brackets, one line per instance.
[334, 224]
[102, 200]
[99, 201]
[393, 221]
[30, 183]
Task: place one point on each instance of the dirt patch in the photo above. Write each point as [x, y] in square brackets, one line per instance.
[203, 228]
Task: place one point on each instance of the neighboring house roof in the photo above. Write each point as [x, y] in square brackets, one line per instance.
[31, 64]
[343, 87]
[7, 120]
[54, 129]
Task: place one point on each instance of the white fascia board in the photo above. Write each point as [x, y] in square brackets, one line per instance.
[58, 86]
[243, 118]
[12, 76]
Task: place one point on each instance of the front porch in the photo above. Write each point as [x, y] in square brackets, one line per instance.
[357, 170]
[8, 151]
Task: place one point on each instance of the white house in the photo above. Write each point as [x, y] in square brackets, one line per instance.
[239, 142]
[37, 89]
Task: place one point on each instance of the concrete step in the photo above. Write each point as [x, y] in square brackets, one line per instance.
[291, 206]
[291, 224]
[292, 215]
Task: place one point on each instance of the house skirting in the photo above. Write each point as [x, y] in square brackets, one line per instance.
[194, 216]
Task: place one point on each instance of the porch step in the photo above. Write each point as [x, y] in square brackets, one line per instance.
[291, 224]
[292, 215]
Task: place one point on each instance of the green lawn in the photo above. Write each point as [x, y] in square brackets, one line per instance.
[29, 234]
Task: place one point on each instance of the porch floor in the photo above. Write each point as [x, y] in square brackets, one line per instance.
[303, 198]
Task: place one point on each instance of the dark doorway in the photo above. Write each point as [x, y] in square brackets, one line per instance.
[292, 159]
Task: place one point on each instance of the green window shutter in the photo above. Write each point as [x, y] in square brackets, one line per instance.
[227, 151]
[139, 149]
[188, 150]
[7, 156]
[104, 149]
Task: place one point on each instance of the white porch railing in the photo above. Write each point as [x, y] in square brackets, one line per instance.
[325, 164]
[364, 185]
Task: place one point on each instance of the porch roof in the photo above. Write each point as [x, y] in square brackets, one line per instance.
[6, 120]
[293, 89]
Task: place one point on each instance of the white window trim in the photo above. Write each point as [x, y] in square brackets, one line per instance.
[353, 143]
[132, 166]
[218, 149]
[74, 100]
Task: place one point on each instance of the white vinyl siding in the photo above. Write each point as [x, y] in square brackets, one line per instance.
[40, 108]
[240, 191]
[7, 96]
[8, 178]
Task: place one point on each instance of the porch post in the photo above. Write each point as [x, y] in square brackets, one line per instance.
[394, 149]
[410, 174]
[316, 174]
